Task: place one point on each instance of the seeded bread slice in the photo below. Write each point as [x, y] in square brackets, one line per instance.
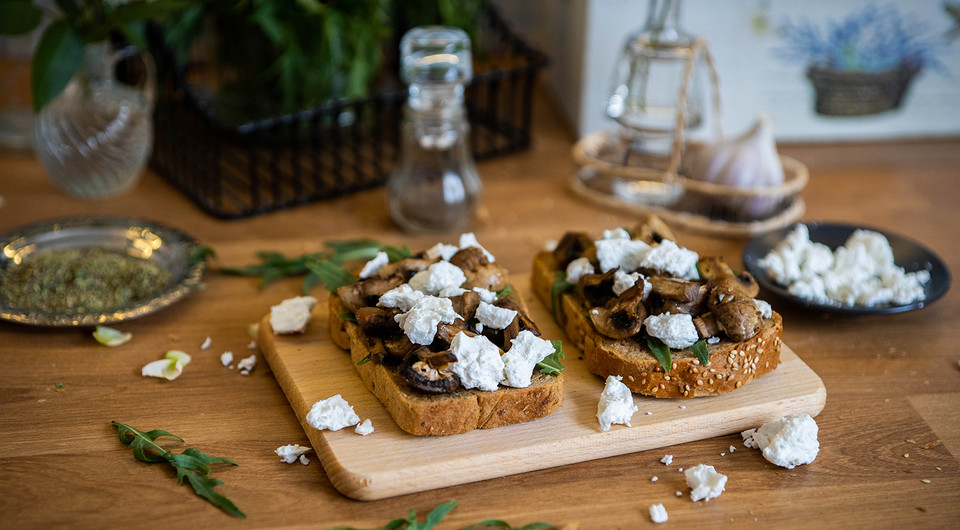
[732, 364]
[441, 414]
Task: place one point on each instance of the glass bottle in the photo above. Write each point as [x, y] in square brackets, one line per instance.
[435, 187]
[649, 78]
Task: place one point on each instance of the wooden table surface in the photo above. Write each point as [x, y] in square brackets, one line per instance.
[889, 434]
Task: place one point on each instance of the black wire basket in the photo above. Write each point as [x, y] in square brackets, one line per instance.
[302, 157]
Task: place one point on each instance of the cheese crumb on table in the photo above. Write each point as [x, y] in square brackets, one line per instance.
[333, 413]
[226, 358]
[247, 365]
[290, 453]
[616, 404]
[206, 343]
[788, 442]
[304, 460]
[667, 459]
[658, 513]
[704, 482]
[364, 428]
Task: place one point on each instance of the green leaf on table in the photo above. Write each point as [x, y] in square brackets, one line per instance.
[57, 57]
[192, 464]
[551, 364]
[699, 348]
[497, 523]
[661, 352]
[19, 17]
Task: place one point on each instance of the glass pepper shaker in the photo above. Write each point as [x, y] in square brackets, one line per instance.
[435, 187]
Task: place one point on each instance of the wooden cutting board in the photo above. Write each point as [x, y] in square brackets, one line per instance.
[391, 462]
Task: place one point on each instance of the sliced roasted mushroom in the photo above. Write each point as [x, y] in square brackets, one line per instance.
[446, 332]
[466, 304]
[397, 349]
[405, 268]
[652, 230]
[738, 317]
[378, 322]
[572, 246]
[469, 259]
[676, 289]
[366, 292]
[622, 316]
[597, 289]
[490, 276]
[377, 351]
[706, 325]
[429, 372]
[524, 321]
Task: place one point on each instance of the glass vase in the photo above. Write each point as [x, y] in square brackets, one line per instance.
[95, 137]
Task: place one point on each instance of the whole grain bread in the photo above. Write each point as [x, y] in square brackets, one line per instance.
[442, 414]
[732, 364]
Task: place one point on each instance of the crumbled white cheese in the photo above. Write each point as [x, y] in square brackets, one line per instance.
[623, 281]
[495, 317]
[713, 340]
[732, 449]
[437, 277]
[550, 245]
[655, 478]
[486, 295]
[860, 272]
[763, 308]
[292, 314]
[402, 298]
[672, 259]
[304, 460]
[247, 365]
[373, 266]
[705, 483]
[616, 404]
[442, 251]
[667, 460]
[578, 268]
[290, 453]
[364, 428]
[788, 442]
[679, 494]
[616, 233]
[226, 358]
[333, 413]
[468, 240]
[525, 352]
[420, 322]
[676, 331]
[479, 364]
[252, 345]
[624, 253]
[451, 292]
[206, 343]
[658, 513]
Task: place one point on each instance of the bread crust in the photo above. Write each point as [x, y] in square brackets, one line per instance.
[443, 414]
[732, 364]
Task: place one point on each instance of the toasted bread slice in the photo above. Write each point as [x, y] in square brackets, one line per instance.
[732, 364]
[441, 414]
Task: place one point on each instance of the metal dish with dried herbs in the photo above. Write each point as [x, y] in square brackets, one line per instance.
[94, 270]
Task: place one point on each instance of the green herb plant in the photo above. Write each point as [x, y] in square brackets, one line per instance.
[411, 523]
[192, 464]
[76, 23]
[320, 267]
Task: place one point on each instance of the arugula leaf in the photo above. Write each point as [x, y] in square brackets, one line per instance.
[332, 276]
[560, 286]
[365, 360]
[395, 254]
[506, 292]
[700, 349]
[506, 525]
[192, 464]
[551, 364]
[661, 352]
[437, 515]
[347, 316]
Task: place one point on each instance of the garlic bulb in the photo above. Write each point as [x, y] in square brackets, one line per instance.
[747, 161]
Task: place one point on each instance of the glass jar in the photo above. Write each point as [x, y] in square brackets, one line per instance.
[435, 186]
[655, 82]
